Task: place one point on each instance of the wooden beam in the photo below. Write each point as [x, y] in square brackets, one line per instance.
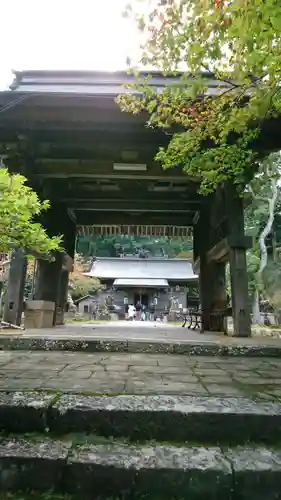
[219, 252]
[56, 132]
[114, 176]
[61, 168]
[133, 210]
[109, 204]
[119, 218]
[101, 195]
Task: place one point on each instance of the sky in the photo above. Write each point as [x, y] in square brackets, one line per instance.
[64, 34]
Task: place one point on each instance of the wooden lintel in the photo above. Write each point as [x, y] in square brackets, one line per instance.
[120, 218]
[242, 241]
[110, 175]
[219, 252]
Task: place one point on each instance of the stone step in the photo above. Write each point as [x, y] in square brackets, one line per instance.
[225, 346]
[151, 471]
[36, 495]
[170, 418]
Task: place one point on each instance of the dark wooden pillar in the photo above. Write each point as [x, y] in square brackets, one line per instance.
[239, 292]
[202, 266]
[219, 236]
[51, 282]
[69, 232]
[211, 251]
[47, 280]
[213, 295]
[238, 245]
[205, 287]
[13, 301]
[211, 273]
[62, 297]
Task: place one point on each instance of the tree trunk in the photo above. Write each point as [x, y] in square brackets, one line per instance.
[265, 232]
[256, 309]
[72, 306]
[263, 250]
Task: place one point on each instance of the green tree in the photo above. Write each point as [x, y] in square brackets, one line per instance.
[265, 193]
[19, 205]
[114, 246]
[237, 43]
[79, 284]
[271, 281]
[82, 286]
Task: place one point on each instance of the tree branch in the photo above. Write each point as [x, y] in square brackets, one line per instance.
[255, 196]
[225, 80]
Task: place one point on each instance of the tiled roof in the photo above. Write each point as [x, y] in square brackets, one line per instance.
[95, 82]
[132, 268]
[84, 298]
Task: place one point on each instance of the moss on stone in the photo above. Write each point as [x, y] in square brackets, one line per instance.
[49, 495]
[53, 496]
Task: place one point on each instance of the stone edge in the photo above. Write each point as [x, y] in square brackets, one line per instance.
[178, 418]
[63, 464]
[91, 345]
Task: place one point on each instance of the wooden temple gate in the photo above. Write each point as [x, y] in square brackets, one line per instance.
[66, 134]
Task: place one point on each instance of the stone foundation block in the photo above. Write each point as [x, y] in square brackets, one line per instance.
[39, 314]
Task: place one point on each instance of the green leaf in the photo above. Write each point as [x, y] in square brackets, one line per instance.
[19, 205]
[238, 44]
[276, 22]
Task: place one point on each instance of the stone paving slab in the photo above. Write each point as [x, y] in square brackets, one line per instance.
[148, 332]
[136, 373]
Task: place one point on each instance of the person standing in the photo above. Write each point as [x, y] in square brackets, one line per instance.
[126, 310]
[143, 313]
[138, 310]
[152, 311]
[126, 307]
[131, 312]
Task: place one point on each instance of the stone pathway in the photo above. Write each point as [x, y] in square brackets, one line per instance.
[141, 331]
[117, 373]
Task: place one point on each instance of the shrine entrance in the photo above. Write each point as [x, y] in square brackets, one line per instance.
[66, 134]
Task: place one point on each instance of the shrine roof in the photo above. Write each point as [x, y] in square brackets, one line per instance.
[136, 268]
[94, 82]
